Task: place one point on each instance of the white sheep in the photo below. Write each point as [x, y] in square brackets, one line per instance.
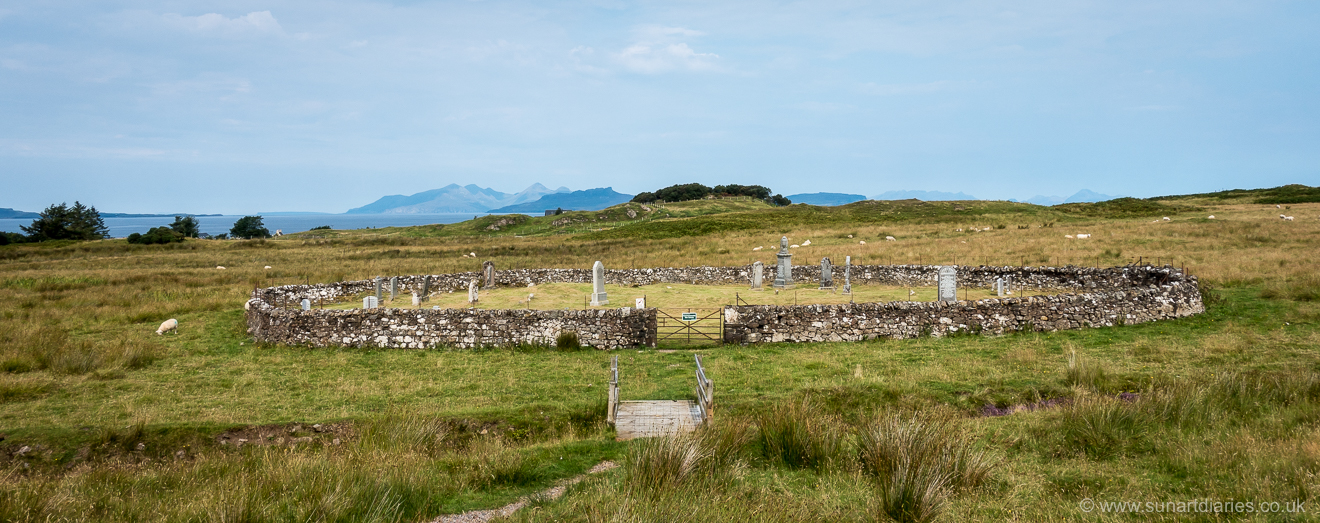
[1068, 236]
[863, 242]
[167, 326]
[1083, 236]
[1212, 217]
[1281, 217]
[890, 239]
[279, 232]
[794, 246]
[754, 249]
[957, 230]
[1287, 218]
[806, 243]
[220, 267]
[1166, 218]
[267, 266]
[850, 236]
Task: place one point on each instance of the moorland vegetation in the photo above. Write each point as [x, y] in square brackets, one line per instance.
[101, 419]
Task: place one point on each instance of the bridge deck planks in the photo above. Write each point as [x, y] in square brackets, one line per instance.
[643, 419]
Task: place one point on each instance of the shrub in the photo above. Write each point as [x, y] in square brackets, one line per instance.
[567, 340]
[157, 235]
[916, 461]
[667, 462]
[321, 228]
[796, 435]
[249, 227]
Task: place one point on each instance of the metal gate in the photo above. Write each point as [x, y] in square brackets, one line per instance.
[689, 326]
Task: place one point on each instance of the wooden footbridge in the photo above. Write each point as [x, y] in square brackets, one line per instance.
[643, 419]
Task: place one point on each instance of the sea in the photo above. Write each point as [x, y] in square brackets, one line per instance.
[289, 223]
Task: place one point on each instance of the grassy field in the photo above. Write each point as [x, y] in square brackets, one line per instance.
[103, 420]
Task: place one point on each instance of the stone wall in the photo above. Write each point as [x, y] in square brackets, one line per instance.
[1104, 297]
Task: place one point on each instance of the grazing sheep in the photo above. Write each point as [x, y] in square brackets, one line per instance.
[1287, 218]
[794, 246]
[850, 236]
[1277, 207]
[1083, 236]
[806, 243]
[267, 266]
[957, 230]
[1068, 236]
[279, 232]
[221, 267]
[1281, 217]
[1212, 217]
[890, 239]
[1154, 221]
[863, 242]
[167, 326]
[472, 254]
[756, 248]
[1166, 218]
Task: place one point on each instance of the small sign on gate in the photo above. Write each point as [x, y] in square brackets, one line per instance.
[689, 316]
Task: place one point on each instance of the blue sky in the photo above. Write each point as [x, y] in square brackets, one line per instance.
[243, 106]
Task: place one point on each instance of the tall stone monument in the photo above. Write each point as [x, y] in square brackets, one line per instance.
[472, 291]
[826, 274]
[948, 281]
[598, 296]
[758, 275]
[378, 288]
[847, 274]
[426, 288]
[488, 271]
[999, 287]
[394, 287]
[784, 270]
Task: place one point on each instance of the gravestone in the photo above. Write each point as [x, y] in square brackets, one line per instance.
[1008, 285]
[416, 300]
[598, 296]
[758, 274]
[488, 270]
[370, 302]
[472, 291]
[999, 287]
[784, 269]
[641, 302]
[426, 288]
[948, 281]
[826, 274]
[394, 287]
[847, 274]
[378, 288]
[306, 304]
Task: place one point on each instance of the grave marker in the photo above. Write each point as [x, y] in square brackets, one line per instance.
[472, 291]
[306, 304]
[758, 274]
[826, 274]
[598, 296]
[847, 274]
[378, 288]
[948, 282]
[370, 302]
[426, 288]
[394, 287]
[784, 269]
[488, 270]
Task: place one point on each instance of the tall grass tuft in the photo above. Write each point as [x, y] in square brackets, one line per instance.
[917, 461]
[397, 430]
[1083, 372]
[797, 435]
[662, 464]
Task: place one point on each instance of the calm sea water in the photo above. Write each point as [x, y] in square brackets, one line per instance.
[120, 227]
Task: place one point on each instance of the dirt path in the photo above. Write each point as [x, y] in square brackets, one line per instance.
[481, 516]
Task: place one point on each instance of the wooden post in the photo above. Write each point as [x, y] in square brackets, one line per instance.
[614, 390]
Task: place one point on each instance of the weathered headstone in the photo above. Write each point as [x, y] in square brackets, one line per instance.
[416, 300]
[378, 288]
[758, 275]
[826, 274]
[472, 291]
[847, 274]
[370, 302]
[306, 304]
[426, 288]
[948, 283]
[1008, 285]
[999, 287]
[488, 270]
[784, 270]
[641, 302]
[394, 287]
[598, 296]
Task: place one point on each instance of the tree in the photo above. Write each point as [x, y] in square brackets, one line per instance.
[156, 235]
[779, 200]
[61, 222]
[249, 227]
[186, 226]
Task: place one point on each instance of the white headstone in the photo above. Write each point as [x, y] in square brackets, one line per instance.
[999, 287]
[948, 281]
[394, 287]
[641, 302]
[416, 300]
[847, 274]
[472, 291]
[306, 304]
[598, 296]
[758, 275]
[370, 302]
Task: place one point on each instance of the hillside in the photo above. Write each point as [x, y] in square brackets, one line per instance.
[588, 200]
[453, 198]
[1294, 193]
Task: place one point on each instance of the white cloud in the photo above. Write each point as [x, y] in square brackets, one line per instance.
[255, 23]
[652, 59]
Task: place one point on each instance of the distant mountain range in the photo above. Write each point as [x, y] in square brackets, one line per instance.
[454, 198]
[927, 196]
[588, 200]
[828, 199]
[1082, 196]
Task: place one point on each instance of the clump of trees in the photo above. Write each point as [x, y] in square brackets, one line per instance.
[695, 191]
[187, 226]
[249, 227]
[62, 222]
[156, 235]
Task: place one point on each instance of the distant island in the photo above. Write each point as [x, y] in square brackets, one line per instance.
[588, 200]
[453, 198]
[11, 214]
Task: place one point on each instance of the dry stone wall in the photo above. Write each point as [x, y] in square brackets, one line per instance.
[1100, 297]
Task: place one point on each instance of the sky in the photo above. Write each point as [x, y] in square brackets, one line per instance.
[247, 106]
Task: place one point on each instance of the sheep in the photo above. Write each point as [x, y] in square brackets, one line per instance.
[863, 242]
[220, 267]
[1282, 217]
[757, 248]
[794, 246]
[1068, 236]
[1277, 207]
[1211, 217]
[1287, 218]
[472, 254]
[279, 232]
[1166, 218]
[167, 326]
[806, 243]
[267, 266]
[850, 236]
[890, 239]
[957, 230]
[1083, 236]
